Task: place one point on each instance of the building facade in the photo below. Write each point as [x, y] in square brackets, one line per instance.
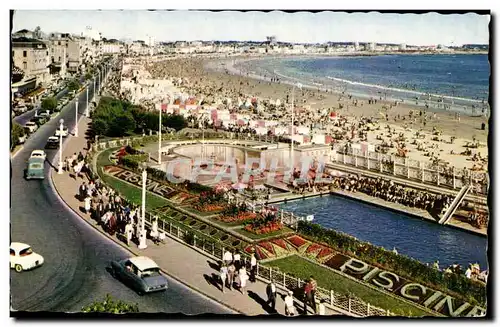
[32, 57]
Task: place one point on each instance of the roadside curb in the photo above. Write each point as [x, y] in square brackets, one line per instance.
[13, 155]
[130, 250]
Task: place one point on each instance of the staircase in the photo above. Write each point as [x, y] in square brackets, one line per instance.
[454, 205]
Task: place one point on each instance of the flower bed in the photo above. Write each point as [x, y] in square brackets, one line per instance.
[180, 197]
[265, 228]
[280, 242]
[240, 217]
[268, 246]
[313, 248]
[324, 253]
[296, 241]
[259, 254]
[206, 207]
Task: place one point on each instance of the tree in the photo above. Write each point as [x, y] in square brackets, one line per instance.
[176, 122]
[16, 132]
[49, 103]
[88, 75]
[73, 85]
[111, 306]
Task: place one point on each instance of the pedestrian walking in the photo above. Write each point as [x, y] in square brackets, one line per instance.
[237, 260]
[231, 272]
[322, 308]
[253, 267]
[223, 276]
[289, 308]
[243, 277]
[308, 297]
[271, 295]
[228, 257]
[128, 232]
[88, 199]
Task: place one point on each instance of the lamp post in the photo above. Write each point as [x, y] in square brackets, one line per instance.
[159, 137]
[142, 236]
[87, 106]
[292, 156]
[76, 118]
[61, 128]
[93, 90]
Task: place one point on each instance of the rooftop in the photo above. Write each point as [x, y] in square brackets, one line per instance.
[143, 263]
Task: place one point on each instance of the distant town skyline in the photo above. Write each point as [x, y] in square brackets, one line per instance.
[300, 27]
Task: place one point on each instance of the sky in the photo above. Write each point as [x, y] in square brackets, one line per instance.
[306, 27]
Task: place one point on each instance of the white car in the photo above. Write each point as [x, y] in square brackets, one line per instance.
[22, 257]
[38, 154]
[22, 139]
[64, 132]
[31, 126]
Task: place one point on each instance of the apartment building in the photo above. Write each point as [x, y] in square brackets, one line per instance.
[32, 57]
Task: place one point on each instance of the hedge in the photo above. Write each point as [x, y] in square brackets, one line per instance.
[467, 289]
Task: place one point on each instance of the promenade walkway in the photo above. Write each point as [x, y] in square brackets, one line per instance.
[184, 263]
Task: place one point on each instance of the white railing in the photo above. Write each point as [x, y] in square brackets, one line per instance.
[419, 171]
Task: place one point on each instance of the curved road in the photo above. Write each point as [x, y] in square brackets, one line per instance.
[76, 255]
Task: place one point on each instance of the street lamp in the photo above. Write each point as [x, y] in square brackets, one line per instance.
[159, 137]
[61, 128]
[76, 118]
[87, 107]
[292, 157]
[93, 90]
[142, 236]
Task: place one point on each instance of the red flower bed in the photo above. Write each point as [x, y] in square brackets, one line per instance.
[325, 252]
[313, 247]
[209, 207]
[264, 229]
[280, 242]
[297, 241]
[259, 254]
[268, 246]
[249, 249]
[242, 216]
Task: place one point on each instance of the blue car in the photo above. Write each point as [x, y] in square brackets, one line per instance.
[139, 273]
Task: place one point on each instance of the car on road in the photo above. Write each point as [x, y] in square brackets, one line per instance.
[22, 139]
[64, 132]
[31, 127]
[23, 258]
[141, 274]
[38, 154]
[21, 109]
[52, 143]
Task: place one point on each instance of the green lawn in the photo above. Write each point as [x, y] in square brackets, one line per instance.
[130, 192]
[328, 279]
[261, 236]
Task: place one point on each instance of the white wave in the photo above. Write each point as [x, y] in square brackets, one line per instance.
[381, 87]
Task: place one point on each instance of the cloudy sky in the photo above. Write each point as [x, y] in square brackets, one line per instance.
[416, 29]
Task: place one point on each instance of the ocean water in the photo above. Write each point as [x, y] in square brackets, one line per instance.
[419, 239]
[461, 77]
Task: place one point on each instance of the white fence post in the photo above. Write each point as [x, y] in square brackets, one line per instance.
[438, 175]
[407, 162]
[355, 160]
[349, 305]
[271, 274]
[453, 172]
[331, 297]
[178, 233]
[379, 161]
[368, 309]
[367, 160]
[284, 279]
[343, 158]
[393, 165]
[422, 170]
[194, 240]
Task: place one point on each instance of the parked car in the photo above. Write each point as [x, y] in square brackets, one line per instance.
[23, 258]
[21, 109]
[38, 154]
[64, 132]
[52, 143]
[139, 273]
[31, 127]
[40, 120]
[22, 139]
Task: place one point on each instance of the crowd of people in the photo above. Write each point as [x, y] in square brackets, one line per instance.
[389, 191]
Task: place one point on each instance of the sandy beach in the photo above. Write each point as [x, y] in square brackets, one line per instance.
[202, 77]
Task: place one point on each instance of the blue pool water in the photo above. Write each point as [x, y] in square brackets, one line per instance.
[423, 240]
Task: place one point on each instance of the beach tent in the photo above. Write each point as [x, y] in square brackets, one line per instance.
[239, 186]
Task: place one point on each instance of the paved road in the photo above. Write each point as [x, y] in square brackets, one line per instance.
[76, 256]
[26, 117]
